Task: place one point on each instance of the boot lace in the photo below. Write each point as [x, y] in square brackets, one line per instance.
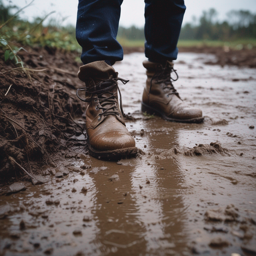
[164, 75]
[107, 102]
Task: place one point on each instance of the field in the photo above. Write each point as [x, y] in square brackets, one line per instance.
[235, 44]
[191, 188]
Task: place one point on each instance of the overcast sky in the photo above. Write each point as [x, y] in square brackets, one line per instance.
[132, 10]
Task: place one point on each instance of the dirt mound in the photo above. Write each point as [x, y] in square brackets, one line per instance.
[226, 56]
[220, 122]
[37, 114]
[242, 58]
[204, 149]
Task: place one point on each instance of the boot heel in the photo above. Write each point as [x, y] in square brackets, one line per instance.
[147, 109]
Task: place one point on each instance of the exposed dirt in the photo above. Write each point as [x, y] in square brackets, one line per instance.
[193, 192]
[37, 114]
[225, 56]
[201, 150]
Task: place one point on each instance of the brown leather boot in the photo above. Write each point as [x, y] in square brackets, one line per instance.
[160, 97]
[108, 137]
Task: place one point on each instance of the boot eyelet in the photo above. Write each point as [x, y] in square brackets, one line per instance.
[95, 100]
[97, 108]
[99, 118]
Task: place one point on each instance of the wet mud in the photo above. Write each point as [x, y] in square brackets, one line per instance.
[37, 113]
[224, 56]
[191, 192]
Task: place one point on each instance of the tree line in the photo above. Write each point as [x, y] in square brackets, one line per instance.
[239, 24]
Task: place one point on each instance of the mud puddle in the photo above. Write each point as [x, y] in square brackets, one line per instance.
[193, 192]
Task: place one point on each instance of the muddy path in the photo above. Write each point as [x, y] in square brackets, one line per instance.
[193, 192]
[224, 56]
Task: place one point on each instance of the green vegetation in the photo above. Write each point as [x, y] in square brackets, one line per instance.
[239, 31]
[16, 34]
[235, 44]
[239, 24]
[130, 43]
[132, 33]
[16, 31]
[149, 116]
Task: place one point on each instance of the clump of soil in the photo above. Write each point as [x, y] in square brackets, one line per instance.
[218, 214]
[220, 122]
[204, 149]
[37, 114]
[226, 56]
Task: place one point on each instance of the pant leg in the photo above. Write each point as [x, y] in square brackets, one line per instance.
[163, 20]
[96, 30]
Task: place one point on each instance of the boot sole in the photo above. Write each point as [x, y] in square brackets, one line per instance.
[150, 110]
[113, 154]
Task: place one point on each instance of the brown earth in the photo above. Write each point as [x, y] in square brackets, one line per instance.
[192, 192]
[225, 56]
[37, 114]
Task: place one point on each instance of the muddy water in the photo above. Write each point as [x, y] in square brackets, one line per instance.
[183, 197]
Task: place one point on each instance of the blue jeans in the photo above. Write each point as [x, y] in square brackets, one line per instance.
[97, 26]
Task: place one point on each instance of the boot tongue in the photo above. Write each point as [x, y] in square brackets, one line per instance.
[169, 64]
[96, 71]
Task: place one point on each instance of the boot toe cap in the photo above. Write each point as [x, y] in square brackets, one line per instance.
[112, 141]
[189, 113]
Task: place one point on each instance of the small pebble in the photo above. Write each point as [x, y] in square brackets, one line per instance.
[59, 175]
[48, 251]
[114, 177]
[51, 202]
[77, 232]
[84, 167]
[22, 225]
[87, 218]
[84, 190]
[36, 245]
[218, 241]
[15, 235]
